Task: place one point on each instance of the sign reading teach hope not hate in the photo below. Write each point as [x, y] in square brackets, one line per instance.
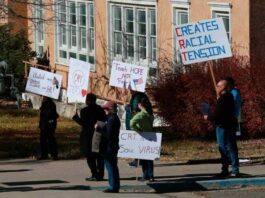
[203, 41]
[125, 75]
[44, 83]
[78, 80]
[143, 145]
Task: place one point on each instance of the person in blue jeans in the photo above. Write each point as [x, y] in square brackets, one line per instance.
[143, 122]
[131, 109]
[110, 145]
[226, 124]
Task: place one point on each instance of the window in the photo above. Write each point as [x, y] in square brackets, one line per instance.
[75, 32]
[133, 35]
[180, 16]
[39, 27]
[226, 18]
[222, 10]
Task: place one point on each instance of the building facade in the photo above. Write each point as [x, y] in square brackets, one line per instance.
[135, 31]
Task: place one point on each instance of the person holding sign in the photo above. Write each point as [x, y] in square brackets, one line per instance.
[47, 125]
[87, 119]
[143, 122]
[110, 145]
[237, 99]
[226, 124]
[131, 109]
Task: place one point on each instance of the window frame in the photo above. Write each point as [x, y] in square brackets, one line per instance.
[136, 8]
[223, 9]
[78, 51]
[39, 21]
[178, 6]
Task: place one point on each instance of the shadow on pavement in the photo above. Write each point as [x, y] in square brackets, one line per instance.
[25, 189]
[25, 183]
[15, 171]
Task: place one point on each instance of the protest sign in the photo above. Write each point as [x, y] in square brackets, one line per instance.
[78, 80]
[44, 83]
[128, 76]
[143, 145]
[202, 41]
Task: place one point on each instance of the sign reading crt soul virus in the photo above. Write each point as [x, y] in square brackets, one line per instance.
[142, 145]
[202, 41]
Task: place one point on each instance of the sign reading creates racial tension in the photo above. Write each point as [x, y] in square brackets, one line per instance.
[125, 75]
[203, 41]
[142, 145]
[44, 83]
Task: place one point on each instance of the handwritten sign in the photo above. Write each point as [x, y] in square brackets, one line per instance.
[78, 80]
[144, 145]
[44, 83]
[128, 76]
[203, 41]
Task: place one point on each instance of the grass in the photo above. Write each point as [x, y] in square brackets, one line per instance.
[19, 137]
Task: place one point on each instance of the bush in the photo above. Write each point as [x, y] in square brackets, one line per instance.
[178, 95]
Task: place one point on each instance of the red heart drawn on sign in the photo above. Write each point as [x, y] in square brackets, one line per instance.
[83, 92]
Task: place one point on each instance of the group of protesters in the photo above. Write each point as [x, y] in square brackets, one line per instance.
[139, 117]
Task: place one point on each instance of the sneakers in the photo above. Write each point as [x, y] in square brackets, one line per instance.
[234, 175]
[142, 179]
[151, 179]
[222, 175]
[133, 163]
[110, 191]
[91, 179]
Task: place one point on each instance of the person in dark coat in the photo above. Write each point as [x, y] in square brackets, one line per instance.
[110, 146]
[226, 125]
[87, 119]
[47, 125]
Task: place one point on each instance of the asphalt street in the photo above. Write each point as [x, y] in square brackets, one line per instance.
[30, 178]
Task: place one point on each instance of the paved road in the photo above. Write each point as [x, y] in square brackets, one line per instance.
[28, 178]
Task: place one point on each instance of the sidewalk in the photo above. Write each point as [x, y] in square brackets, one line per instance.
[66, 178]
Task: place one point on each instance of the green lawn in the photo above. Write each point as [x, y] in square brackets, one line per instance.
[19, 137]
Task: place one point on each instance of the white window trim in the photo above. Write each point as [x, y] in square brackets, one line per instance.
[181, 3]
[133, 4]
[178, 4]
[222, 7]
[65, 62]
[36, 31]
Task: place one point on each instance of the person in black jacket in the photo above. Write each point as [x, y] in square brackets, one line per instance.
[47, 125]
[87, 119]
[226, 123]
[110, 146]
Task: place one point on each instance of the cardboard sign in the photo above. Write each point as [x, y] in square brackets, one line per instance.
[128, 76]
[143, 145]
[202, 41]
[96, 141]
[44, 83]
[78, 81]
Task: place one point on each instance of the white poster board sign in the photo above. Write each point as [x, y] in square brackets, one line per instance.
[144, 145]
[125, 75]
[77, 80]
[202, 41]
[44, 83]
